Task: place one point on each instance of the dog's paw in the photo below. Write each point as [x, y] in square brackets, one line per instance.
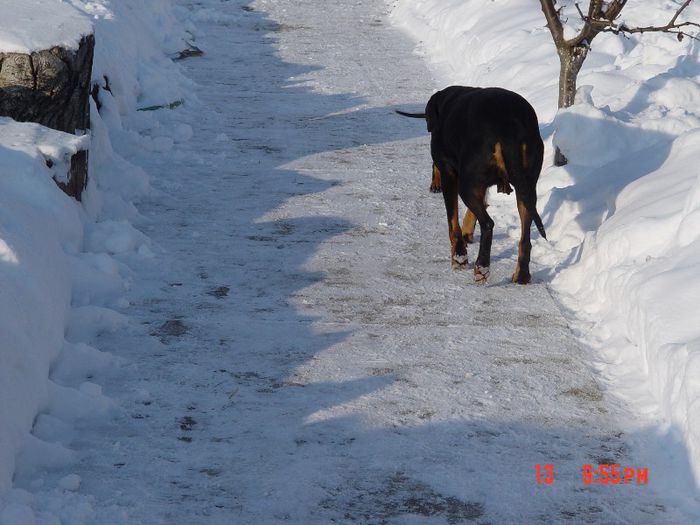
[521, 277]
[434, 188]
[459, 262]
[481, 274]
[468, 238]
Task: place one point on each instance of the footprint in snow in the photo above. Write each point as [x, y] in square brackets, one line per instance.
[219, 292]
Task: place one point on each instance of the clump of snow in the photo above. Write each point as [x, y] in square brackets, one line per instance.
[115, 237]
[34, 25]
[70, 482]
[55, 148]
[589, 136]
[17, 514]
[79, 360]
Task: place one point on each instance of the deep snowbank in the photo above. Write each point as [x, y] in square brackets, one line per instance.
[624, 215]
[62, 268]
[39, 226]
[637, 280]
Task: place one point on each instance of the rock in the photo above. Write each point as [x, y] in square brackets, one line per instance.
[52, 87]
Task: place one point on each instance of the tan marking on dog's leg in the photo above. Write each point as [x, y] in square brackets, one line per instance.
[456, 236]
[435, 184]
[468, 226]
[450, 194]
[523, 152]
[525, 225]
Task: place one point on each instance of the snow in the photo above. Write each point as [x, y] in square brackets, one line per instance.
[251, 317]
[36, 25]
[40, 230]
[17, 514]
[622, 215]
[70, 482]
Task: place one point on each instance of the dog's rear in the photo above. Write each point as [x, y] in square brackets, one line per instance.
[509, 128]
[483, 137]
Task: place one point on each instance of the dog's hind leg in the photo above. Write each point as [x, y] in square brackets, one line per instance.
[475, 199]
[522, 270]
[450, 194]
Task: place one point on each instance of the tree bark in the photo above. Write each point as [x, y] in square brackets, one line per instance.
[571, 59]
[572, 52]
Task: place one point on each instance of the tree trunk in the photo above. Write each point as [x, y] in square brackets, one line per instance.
[571, 59]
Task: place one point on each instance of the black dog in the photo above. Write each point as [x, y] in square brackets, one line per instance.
[482, 137]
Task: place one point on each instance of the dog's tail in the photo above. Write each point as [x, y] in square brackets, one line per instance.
[522, 175]
[529, 198]
[412, 115]
[536, 217]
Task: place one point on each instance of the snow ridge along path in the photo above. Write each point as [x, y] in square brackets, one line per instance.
[301, 350]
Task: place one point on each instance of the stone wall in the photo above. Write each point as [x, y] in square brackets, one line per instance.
[51, 87]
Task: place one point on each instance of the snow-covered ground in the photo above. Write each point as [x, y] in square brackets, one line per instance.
[281, 337]
[623, 215]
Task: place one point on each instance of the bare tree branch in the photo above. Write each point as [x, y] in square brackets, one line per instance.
[589, 31]
[685, 4]
[605, 22]
[553, 21]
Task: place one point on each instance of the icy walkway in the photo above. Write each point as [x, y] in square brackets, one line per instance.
[315, 360]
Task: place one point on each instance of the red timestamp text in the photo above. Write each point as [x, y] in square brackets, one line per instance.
[545, 474]
[602, 474]
[614, 474]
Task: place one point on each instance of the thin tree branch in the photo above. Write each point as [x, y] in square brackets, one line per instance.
[675, 17]
[589, 31]
[674, 29]
[670, 29]
[553, 21]
[605, 23]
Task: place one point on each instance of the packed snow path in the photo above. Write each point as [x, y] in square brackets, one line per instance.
[302, 351]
